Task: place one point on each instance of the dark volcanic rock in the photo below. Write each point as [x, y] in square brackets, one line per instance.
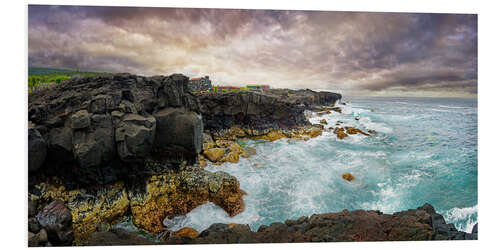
[357, 225]
[179, 130]
[260, 111]
[37, 149]
[307, 97]
[94, 129]
[118, 237]
[249, 110]
[56, 219]
[135, 136]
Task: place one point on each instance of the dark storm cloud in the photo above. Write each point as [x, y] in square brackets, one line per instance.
[352, 52]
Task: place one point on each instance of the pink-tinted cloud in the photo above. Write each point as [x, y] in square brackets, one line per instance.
[350, 52]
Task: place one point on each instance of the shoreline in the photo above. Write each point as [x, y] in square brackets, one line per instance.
[150, 167]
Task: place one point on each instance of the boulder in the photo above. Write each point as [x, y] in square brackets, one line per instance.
[186, 232]
[248, 151]
[179, 128]
[33, 225]
[314, 131]
[37, 149]
[203, 163]
[235, 147]
[60, 145]
[135, 136]
[101, 104]
[32, 207]
[232, 156]
[56, 219]
[87, 151]
[118, 237]
[323, 121]
[38, 239]
[80, 119]
[178, 192]
[348, 177]
[214, 154]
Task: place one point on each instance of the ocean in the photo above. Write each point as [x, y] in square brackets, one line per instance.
[424, 151]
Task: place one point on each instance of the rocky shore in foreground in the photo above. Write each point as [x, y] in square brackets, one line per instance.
[106, 147]
[418, 224]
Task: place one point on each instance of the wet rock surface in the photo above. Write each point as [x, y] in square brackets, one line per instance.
[357, 225]
[101, 148]
[55, 220]
[118, 237]
[177, 193]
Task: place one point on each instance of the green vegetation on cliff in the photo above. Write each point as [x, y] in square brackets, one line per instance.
[38, 76]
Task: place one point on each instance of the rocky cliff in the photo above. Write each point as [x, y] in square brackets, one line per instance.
[105, 147]
[276, 109]
[98, 128]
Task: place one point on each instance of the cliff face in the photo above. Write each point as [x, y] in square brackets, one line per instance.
[105, 147]
[97, 127]
[276, 109]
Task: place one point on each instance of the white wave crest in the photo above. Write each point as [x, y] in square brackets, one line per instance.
[463, 218]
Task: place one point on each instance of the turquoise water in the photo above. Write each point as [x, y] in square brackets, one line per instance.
[425, 151]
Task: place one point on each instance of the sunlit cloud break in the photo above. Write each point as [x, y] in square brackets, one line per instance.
[354, 53]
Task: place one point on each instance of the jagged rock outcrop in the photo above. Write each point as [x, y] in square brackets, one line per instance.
[309, 98]
[422, 223]
[55, 219]
[177, 193]
[109, 146]
[274, 114]
[149, 201]
[118, 237]
[249, 110]
[93, 129]
[37, 149]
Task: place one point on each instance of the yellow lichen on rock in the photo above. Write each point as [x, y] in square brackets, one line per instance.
[208, 145]
[104, 209]
[232, 156]
[235, 147]
[347, 177]
[178, 192]
[314, 132]
[353, 131]
[272, 135]
[89, 210]
[187, 232]
[203, 162]
[340, 133]
[214, 154]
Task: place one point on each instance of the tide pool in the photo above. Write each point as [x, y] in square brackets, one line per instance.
[424, 151]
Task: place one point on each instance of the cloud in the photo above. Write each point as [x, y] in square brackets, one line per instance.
[351, 52]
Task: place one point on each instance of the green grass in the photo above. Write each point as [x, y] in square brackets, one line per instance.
[38, 76]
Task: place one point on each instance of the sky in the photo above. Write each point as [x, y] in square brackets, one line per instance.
[353, 53]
